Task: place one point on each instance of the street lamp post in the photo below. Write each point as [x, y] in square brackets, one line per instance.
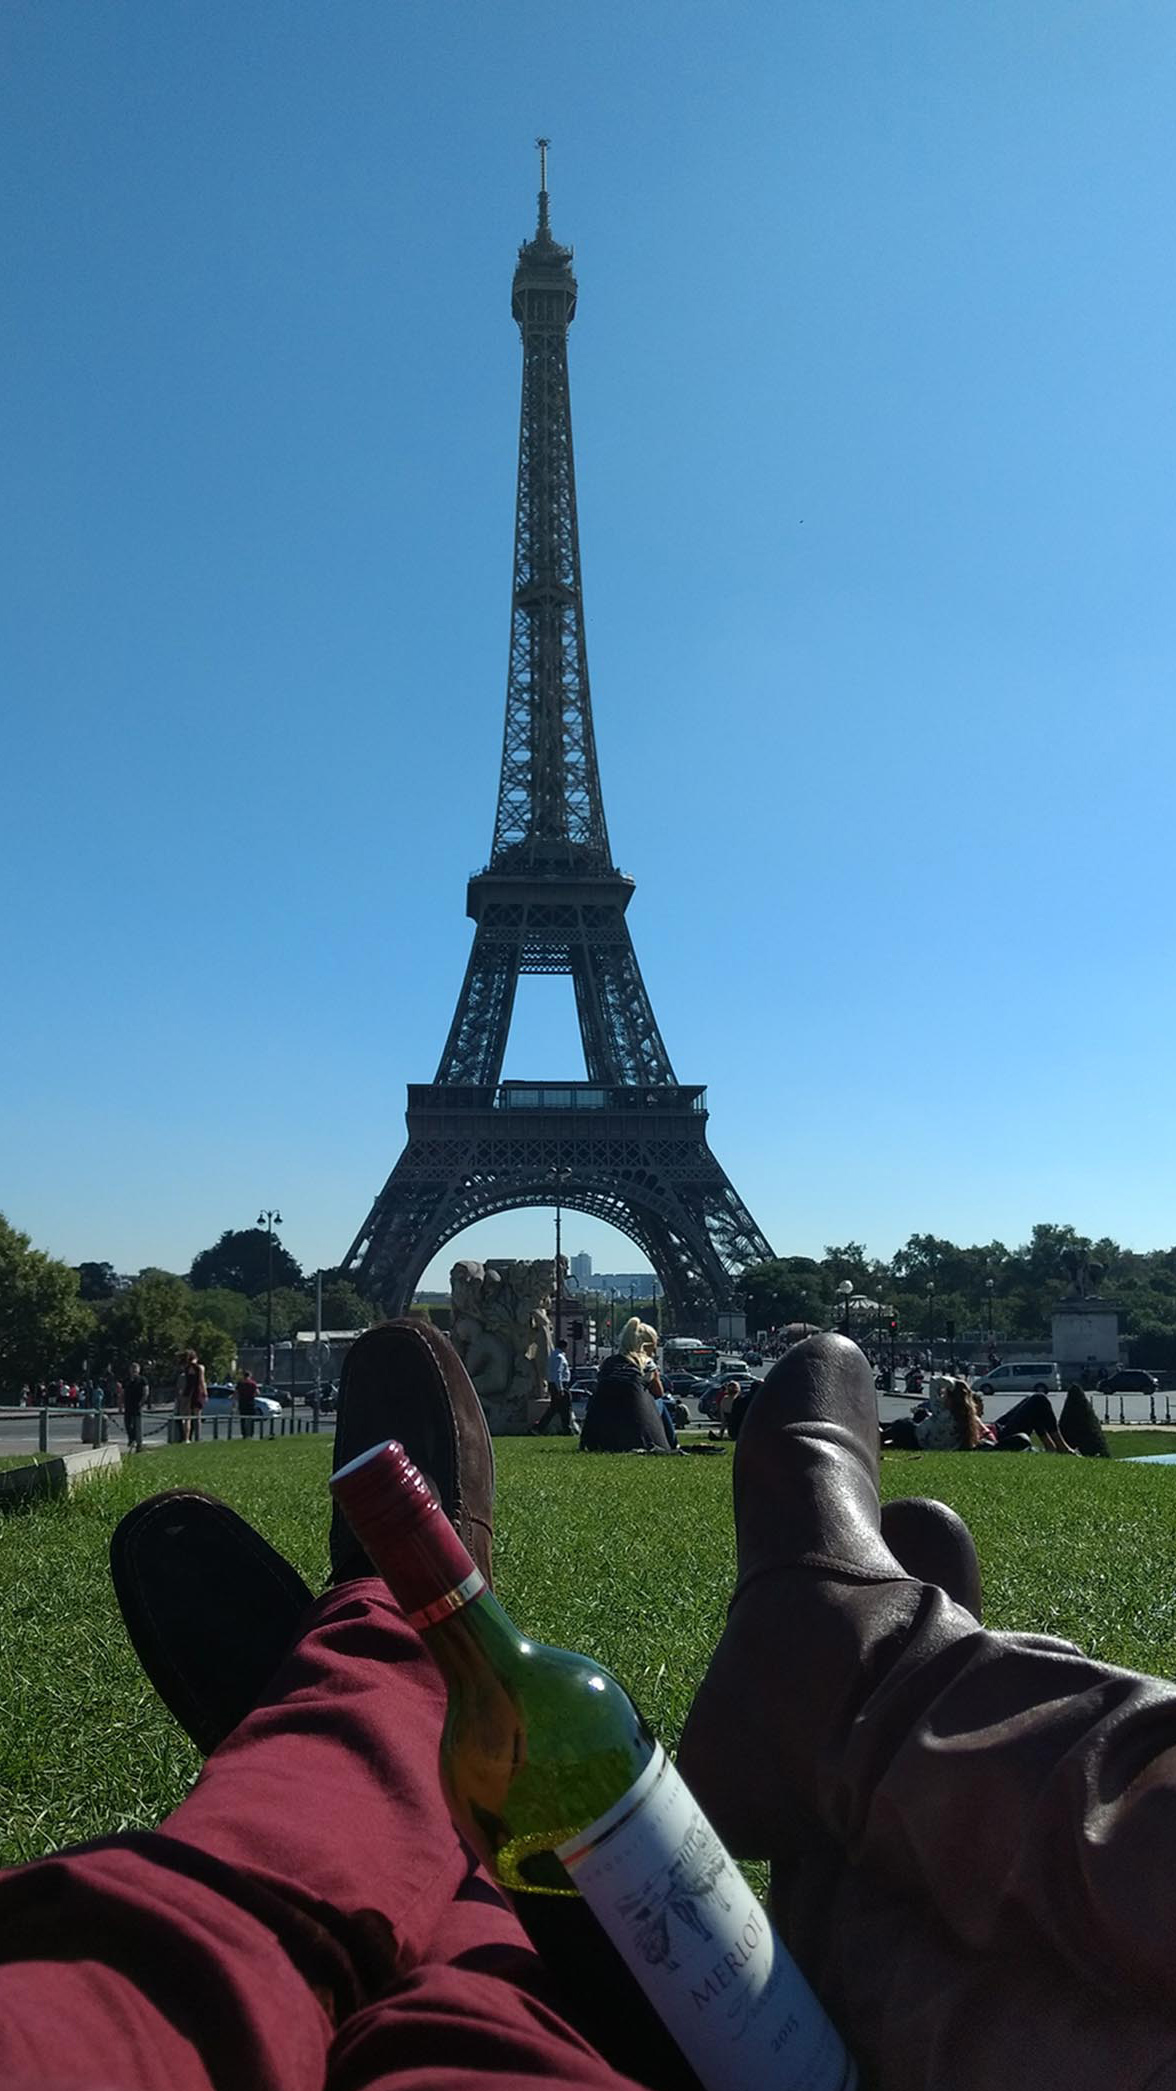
[931, 1327]
[846, 1291]
[561, 1170]
[989, 1287]
[558, 1271]
[269, 1220]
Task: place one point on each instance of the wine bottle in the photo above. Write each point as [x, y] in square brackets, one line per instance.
[551, 1774]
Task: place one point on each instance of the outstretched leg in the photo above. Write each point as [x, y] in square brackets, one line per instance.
[1003, 1784]
[308, 1914]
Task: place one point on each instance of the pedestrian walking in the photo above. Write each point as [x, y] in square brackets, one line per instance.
[559, 1399]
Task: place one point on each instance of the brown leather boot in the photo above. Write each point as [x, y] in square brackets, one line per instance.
[820, 1602]
[934, 1545]
[405, 1380]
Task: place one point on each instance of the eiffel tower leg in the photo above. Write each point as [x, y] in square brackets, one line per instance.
[617, 1022]
[476, 1044]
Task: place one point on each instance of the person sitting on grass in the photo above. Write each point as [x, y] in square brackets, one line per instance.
[971, 1835]
[728, 1396]
[621, 1415]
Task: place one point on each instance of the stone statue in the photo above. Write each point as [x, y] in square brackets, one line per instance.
[487, 1357]
[1083, 1272]
[502, 1333]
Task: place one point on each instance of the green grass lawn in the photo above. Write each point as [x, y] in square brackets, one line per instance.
[1138, 1444]
[628, 1559]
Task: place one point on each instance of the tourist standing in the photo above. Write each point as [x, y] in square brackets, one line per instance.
[247, 1393]
[135, 1393]
[191, 1395]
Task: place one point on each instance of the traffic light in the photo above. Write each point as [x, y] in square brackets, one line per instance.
[894, 1324]
[577, 1332]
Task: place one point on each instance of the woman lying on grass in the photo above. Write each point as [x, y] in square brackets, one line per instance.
[946, 1422]
[952, 1420]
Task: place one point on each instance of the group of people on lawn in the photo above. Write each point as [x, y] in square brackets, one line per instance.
[629, 1413]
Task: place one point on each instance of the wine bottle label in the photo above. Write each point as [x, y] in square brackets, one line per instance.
[662, 1885]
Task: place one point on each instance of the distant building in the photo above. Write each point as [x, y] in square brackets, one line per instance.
[640, 1283]
[581, 1268]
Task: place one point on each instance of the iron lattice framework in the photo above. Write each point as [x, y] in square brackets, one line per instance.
[629, 1145]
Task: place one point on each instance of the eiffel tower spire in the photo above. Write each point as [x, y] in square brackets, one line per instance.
[550, 815]
[629, 1144]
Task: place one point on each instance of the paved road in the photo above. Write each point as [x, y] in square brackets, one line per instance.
[20, 1429]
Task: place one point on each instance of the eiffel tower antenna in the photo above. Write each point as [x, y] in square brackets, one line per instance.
[544, 222]
[628, 1145]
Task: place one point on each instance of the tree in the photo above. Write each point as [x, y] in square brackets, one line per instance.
[239, 1317]
[849, 1260]
[293, 1310]
[157, 1319]
[214, 1348]
[41, 1312]
[786, 1289]
[344, 1306]
[150, 1322]
[239, 1262]
[98, 1281]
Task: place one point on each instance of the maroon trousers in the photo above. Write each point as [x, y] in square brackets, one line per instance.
[307, 1916]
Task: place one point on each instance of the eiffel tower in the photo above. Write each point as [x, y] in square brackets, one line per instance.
[628, 1145]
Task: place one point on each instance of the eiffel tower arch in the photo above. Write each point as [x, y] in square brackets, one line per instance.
[629, 1144]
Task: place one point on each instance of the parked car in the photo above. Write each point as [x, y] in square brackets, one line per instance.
[1021, 1376]
[1129, 1379]
[683, 1385]
[222, 1401]
[585, 1378]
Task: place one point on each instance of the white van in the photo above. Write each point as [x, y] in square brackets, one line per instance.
[1020, 1376]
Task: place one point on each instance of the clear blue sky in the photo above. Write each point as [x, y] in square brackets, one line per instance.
[873, 392]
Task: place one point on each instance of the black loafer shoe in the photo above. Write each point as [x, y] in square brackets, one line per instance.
[210, 1606]
[405, 1380]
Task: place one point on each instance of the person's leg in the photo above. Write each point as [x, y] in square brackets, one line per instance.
[1035, 1417]
[312, 1874]
[1006, 1785]
[314, 1870]
[901, 1435]
[917, 2011]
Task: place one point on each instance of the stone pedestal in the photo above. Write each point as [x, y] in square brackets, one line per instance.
[1085, 1338]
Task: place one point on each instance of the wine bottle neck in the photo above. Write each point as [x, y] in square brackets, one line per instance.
[411, 1543]
[477, 1635]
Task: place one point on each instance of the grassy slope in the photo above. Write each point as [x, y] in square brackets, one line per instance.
[630, 1559]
